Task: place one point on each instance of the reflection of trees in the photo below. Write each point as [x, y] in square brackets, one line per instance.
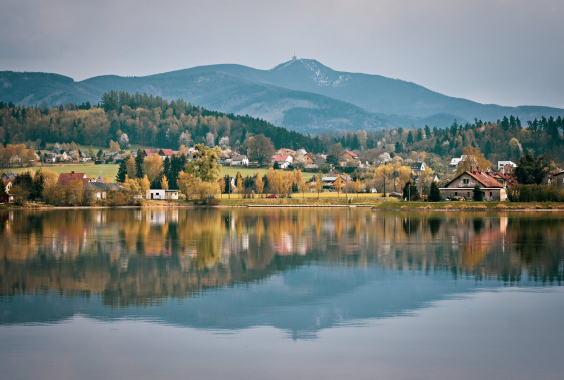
[133, 256]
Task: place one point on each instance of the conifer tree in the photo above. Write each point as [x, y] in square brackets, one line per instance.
[122, 172]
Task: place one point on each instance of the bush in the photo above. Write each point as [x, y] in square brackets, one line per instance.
[435, 193]
[535, 193]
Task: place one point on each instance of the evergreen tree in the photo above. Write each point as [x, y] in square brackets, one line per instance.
[399, 147]
[530, 170]
[122, 172]
[139, 163]
[434, 193]
[38, 185]
[2, 188]
[478, 194]
[410, 192]
[409, 138]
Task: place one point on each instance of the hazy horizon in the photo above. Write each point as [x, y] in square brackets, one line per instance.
[504, 52]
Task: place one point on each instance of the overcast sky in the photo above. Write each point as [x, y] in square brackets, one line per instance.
[508, 52]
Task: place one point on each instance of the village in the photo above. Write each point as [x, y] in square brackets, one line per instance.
[153, 174]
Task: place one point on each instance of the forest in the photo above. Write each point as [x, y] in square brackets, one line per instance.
[145, 119]
[154, 121]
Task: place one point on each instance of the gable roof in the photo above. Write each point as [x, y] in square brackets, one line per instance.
[556, 175]
[351, 153]
[238, 158]
[281, 157]
[166, 152]
[484, 179]
[65, 179]
[417, 165]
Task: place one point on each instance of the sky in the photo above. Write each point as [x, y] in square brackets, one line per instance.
[506, 52]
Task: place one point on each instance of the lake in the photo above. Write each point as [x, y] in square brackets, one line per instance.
[280, 293]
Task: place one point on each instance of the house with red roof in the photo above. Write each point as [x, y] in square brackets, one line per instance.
[463, 186]
[283, 160]
[68, 179]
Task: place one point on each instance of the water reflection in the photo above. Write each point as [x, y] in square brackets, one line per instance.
[296, 269]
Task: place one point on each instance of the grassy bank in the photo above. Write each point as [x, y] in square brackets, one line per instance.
[88, 168]
[398, 205]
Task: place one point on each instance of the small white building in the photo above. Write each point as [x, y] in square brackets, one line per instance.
[239, 160]
[283, 160]
[502, 164]
[161, 194]
[455, 161]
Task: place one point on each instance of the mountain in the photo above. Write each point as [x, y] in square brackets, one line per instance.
[301, 94]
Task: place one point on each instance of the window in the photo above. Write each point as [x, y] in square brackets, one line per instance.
[465, 181]
[456, 193]
[468, 194]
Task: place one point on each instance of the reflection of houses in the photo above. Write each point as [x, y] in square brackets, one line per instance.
[463, 186]
[161, 194]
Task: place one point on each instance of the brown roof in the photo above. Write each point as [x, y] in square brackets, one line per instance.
[66, 178]
[485, 179]
[555, 175]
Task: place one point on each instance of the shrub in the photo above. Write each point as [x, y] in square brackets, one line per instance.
[535, 193]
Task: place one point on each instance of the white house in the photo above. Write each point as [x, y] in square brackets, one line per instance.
[283, 160]
[161, 194]
[418, 168]
[502, 164]
[239, 160]
[455, 161]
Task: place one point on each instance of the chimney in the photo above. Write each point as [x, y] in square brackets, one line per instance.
[478, 169]
[472, 169]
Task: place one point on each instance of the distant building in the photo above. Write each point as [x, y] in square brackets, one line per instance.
[239, 160]
[463, 186]
[559, 178]
[283, 160]
[65, 179]
[455, 161]
[100, 190]
[161, 194]
[502, 164]
[418, 168]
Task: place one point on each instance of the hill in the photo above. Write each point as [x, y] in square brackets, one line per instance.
[300, 94]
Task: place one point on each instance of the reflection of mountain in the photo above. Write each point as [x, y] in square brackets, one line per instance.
[300, 270]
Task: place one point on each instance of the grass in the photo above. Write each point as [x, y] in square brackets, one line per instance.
[310, 199]
[87, 168]
[232, 171]
[399, 204]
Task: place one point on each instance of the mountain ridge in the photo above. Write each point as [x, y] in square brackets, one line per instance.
[300, 94]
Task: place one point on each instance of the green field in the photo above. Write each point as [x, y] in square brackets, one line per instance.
[111, 170]
[87, 168]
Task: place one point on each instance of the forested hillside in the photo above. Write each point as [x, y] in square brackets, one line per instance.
[146, 120]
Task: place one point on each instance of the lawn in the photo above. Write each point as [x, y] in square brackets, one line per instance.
[232, 171]
[87, 168]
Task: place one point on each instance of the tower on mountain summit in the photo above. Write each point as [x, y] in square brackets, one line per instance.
[294, 57]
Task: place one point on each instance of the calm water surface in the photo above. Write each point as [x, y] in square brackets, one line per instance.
[280, 294]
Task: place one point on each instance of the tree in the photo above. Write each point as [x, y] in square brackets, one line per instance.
[259, 184]
[318, 185]
[144, 183]
[185, 138]
[188, 184]
[410, 192]
[260, 149]
[434, 193]
[130, 166]
[210, 140]
[239, 183]
[409, 140]
[530, 170]
[114, 146]
[122, 172]
[357, 186]
[221, 186]
[338, 184]
[478, 194]
[2, 188]
[153, 167]
[164, 183]
[124, 141]
[398, 147]
[205, 166]
[299, 181]
[139, 173]
[20, 194]
[474, 158]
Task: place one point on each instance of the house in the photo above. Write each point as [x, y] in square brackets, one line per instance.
[283, 160]
[284, 151]
[418, 168]
[9, 175]
[100, 190]
[463, 186]
[502, 164]
[151, 152]
[329, 181]
[559, 178]
[164, 153]
[455, 161]
[505, 179]
[349, 156]
[239, 160]
[66, 179]
[8, 184]
[6, 198]
[161, 194]
[320, 161]
[308, 157]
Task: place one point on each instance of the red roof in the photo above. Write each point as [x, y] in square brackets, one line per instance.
[66, 178]
[280, 157]
[150, 152]
[353, 154]
[166, 152]
[485, 179]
